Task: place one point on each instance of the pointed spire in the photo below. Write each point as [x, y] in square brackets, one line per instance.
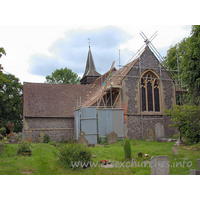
[90, 69]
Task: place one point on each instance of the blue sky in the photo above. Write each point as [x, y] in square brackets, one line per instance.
[34, 52]
[40, 36]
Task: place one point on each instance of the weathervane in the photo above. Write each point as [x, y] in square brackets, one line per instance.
[89, 41]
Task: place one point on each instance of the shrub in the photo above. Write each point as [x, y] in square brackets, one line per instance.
[10, 126]
[24, 148]
[127, 149]
[9, 135]
[140, 154]
[187, 120]
[3, 131]
[71, 153]
[46, 139]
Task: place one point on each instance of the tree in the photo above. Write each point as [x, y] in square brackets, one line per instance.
[186, 119]
[63, 76]
[190, 65]
[2, 52]
[185, 57]
[11, 101]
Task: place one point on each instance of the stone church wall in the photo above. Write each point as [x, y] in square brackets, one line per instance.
[137, 125]
[57, 128]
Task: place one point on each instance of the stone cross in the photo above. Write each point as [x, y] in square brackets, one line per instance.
[81, 139]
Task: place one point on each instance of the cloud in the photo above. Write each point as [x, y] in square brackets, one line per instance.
[71, 51]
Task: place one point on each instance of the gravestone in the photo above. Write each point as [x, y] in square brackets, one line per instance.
[28, 136]
[13, 139]
[40, 139]
[159, 130]
[198, 163]
[194, 171]
[112, 137]
[150, 135]
[81, 139]
[160, 165]
[174, 151]
[1, 147]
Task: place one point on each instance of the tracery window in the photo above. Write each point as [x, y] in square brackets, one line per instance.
[150, 93]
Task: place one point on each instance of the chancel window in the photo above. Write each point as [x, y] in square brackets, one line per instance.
[150, 92]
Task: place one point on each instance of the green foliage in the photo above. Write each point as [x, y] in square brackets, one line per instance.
[3, 131]
[24, 148]
[11, 102]
[2, 51]
[102, 140]
[187, 120]
[140, 154]
[72, 153]
[127, 149]
[186, 55]
[63, 76]
[10, 126]
[9, 135]
[46, 138]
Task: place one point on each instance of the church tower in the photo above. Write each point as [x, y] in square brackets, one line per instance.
[90, 74]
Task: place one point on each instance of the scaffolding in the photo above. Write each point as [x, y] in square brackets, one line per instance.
[111, 94]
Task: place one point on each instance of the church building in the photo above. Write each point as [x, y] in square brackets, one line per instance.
[130, 100]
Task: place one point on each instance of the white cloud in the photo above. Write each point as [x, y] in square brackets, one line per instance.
[35, 51]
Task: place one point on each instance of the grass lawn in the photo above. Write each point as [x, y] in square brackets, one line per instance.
[44, 161]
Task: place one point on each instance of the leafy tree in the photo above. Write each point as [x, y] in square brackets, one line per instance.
[190, 65]
[63, 76]
[2, 52]
[185, 56]
[11, 101]
[186, 119]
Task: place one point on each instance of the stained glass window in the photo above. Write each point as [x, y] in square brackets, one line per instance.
[150, 93]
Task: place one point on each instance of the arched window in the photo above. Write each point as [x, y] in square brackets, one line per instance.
[150, 92]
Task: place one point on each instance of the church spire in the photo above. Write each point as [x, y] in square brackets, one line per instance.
[90, 74]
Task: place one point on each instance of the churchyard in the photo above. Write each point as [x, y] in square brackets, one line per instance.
[44, 159]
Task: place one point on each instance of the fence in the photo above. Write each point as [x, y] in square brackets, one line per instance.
[98, 122]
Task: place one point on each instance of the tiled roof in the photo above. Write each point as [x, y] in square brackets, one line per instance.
[55, 100]
[101, 80]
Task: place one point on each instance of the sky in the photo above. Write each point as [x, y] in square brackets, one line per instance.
[35, 51]
[41, 36]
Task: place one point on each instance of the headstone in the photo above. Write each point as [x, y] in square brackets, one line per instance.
[150, 135]
[81, 139]
[13, 139]
[198, 163]
[160, 165]
[159, 130]
[1, 147]
[112, 137]
[28, 136]
[40, 139]
[194, 171]
[174, 151]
